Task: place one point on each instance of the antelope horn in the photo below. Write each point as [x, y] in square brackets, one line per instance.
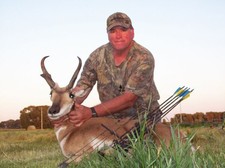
[45, 74]
[74, 77]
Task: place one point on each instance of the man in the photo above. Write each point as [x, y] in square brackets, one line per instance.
[124, 72]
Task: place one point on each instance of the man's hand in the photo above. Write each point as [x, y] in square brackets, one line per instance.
[81, 114]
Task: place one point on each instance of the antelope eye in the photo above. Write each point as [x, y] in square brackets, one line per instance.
[71, 95]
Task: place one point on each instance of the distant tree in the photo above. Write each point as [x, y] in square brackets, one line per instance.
[198, 118]
[33, 115]
[177, 118]
[10, 124]
[209, 117]
[223, 120]
[188, 118]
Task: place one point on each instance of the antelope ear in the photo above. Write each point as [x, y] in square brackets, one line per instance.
[82, 93]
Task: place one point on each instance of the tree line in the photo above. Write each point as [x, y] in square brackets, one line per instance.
[37, 116]
[198, 118]
[32, 115]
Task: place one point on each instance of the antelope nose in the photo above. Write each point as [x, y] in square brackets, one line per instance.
[54, 110]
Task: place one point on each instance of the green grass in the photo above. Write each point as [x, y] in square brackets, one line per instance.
[39, 148]
[146, 155]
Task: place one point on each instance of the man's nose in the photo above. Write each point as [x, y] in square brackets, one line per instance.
[118, 34]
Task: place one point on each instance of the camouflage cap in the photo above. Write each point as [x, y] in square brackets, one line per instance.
[118, 19]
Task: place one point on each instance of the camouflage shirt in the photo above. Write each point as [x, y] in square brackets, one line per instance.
[135, 74]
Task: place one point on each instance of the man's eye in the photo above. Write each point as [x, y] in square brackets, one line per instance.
[50, 93]
[124, 29]
[112, 31]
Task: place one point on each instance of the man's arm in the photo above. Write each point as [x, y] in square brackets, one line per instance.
[83, 113]
[116, 104]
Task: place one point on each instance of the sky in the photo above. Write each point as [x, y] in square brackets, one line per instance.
[186, 38]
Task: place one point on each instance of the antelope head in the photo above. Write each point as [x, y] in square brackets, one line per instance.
[62, 97]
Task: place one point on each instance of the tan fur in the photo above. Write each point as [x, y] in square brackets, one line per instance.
[162, 134]
[91, 135]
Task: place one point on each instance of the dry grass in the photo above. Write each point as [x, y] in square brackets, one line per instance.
[39, 148]
[36, 148]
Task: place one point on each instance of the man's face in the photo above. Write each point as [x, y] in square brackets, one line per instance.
[120, 37]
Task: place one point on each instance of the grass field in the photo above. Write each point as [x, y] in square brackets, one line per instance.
[39, 148]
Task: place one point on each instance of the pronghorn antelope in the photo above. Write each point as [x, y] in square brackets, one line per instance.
[93, 133]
